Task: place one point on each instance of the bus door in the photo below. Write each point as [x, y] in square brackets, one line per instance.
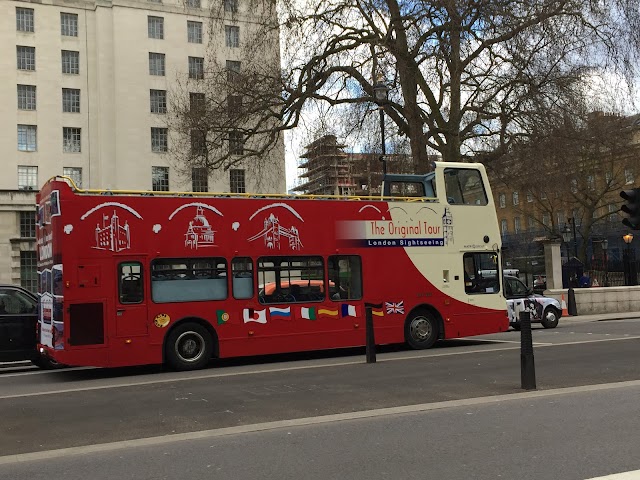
[131, 301]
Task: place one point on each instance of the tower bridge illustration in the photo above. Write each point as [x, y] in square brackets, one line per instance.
[113, 236]
[199, 233]
[273, 233]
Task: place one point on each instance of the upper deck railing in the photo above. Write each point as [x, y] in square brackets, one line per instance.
[147, 193]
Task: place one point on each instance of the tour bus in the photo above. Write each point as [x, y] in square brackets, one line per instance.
[134, 278]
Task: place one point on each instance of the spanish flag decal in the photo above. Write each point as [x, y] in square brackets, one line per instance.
[326, 311]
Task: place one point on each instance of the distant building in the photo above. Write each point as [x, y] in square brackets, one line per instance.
[326, 169]
[86, 87]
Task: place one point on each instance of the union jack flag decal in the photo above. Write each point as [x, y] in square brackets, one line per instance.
[394, 307]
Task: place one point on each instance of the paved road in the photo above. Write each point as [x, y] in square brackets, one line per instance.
[49, 410]
[583, 433]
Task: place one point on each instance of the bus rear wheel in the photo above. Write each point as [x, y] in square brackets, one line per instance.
[421, 330]
[189, 347]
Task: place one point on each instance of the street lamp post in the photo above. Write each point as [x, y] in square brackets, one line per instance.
[605, 247]
[381, 93]
[628, 238]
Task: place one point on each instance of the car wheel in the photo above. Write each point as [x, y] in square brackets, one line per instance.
[421, 330]
[189, 347]
[550, 318]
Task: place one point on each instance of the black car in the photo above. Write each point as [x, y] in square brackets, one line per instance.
[18, 326]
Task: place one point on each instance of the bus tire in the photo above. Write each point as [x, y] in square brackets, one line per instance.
[189, 347]
[421, 329]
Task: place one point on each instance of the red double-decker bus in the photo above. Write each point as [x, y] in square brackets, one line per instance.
[133, 278]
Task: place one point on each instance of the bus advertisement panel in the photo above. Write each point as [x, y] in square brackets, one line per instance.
[182, 278]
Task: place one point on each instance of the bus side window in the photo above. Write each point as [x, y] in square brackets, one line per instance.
[345, 277]
[131, 287]
[242, 273]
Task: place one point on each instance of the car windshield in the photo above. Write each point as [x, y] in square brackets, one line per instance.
[13, 302]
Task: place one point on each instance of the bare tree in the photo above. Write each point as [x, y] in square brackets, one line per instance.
[464, 75]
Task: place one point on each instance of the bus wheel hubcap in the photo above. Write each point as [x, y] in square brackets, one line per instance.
[420, 329]
[190, 347]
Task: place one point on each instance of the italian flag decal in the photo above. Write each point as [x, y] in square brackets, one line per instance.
[308, 313]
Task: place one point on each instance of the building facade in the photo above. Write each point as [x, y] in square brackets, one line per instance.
[85, 87]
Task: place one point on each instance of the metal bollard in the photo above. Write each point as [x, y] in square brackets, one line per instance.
[370, 336]
[571, 307]
[527, 364]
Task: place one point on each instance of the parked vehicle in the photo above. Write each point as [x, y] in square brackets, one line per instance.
[544, 310]
[18, 326]
[540, 284]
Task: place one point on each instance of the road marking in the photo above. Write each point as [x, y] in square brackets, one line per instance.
[634, 475]
[505, 341]
[299, 422]
[184, 378]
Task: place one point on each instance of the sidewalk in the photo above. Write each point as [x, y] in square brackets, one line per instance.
[601, 317]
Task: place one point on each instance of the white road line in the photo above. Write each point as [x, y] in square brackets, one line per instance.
[299, 422]
[634, 475]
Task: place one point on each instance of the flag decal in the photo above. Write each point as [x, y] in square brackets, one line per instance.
[251, 315]
[308, 313]
[394, 307]
[280, 312]
[348, 310]
[223, 317]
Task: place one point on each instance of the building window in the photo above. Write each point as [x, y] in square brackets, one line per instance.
[608, 178]
[160, 179]
[156, 27]
[71, 100]
[231, 6]
[69, 24]
[543, 195]
[502, 199]
[613, 209]
[529, 197]
[560, 219]
[531, 223]
[26, 97]
[196, 68]
[27, 177]
[233, 69]
[546, 219]
[27, 224]
[74, 173]
[199, 179]
[198, 143]
[159, 139]
[28, 271]
[236, 143]
[26, 57]
[234, 105]
[158, 99]
[516, 198]
[27, 138]
[628, 176]
[236, 181]
[156, 64]
[193, 3]
[194, 32]
[232, 36]
[70, 62]
[196, 102]
[71, 139]
[516, 224]
[504, 227]
[24, 19]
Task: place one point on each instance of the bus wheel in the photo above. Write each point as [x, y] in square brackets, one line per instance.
[421, 330]
[189, 347]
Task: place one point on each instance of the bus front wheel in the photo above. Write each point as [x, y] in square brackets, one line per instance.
[421, 330]
[189, 347]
